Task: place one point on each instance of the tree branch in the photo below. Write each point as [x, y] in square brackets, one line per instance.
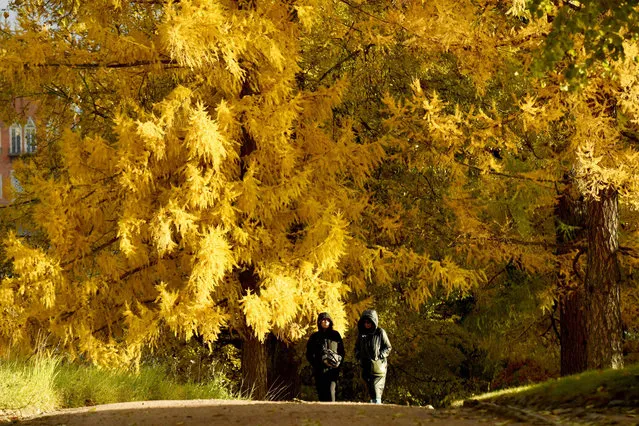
[93, 250]
[629, 251]
[95, 65]
[506, 175]
[489, 282]
[21, 203]
[351, 55]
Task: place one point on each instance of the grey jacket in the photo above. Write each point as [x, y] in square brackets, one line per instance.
[372, 344]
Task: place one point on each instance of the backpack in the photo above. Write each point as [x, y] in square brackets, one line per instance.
[330, 358]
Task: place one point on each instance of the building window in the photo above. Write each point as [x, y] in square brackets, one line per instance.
[29, 136]
[15, 183]
[15, 134]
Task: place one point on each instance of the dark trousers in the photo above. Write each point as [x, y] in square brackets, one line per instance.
[326, 386]
[375, 386]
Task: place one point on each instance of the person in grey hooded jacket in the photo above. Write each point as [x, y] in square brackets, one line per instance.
[371, 350]
[324, 338]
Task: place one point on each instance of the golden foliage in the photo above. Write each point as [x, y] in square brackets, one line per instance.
[188, 147]
[206, 160]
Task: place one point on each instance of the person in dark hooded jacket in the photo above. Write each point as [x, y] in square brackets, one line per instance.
[325, 338]
[371, 350]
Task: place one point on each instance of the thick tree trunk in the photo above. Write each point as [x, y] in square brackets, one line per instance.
[254, 354]
[573, 333]
[603, 313]
[254, 374]
[284, 378]
[572, 304]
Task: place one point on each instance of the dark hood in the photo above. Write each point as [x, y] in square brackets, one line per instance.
[320, 317]
[371, 315]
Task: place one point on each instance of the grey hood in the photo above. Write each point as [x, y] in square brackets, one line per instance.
[371, 315]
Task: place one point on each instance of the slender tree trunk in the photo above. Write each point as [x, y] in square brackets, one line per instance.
[603, 313]
[572, 321]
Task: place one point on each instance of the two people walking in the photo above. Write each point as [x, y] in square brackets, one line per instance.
[371, 350]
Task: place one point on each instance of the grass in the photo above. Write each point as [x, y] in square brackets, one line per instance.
[46, 384]
[596, 388]
[28, 385]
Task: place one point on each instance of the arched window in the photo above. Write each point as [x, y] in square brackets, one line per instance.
[15, 134]
[30, 136]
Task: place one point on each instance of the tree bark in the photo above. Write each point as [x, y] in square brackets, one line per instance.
[284, 378]
[603, 313]
[572, 304]
[573, 330]
[254, 354]
[254, 374]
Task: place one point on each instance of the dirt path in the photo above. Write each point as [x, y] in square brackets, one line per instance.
[217, 412]
[253, 413]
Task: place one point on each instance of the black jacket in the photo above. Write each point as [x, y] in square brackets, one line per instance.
[372, 344]
[318, 340]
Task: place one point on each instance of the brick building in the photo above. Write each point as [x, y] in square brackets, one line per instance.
[17, 137]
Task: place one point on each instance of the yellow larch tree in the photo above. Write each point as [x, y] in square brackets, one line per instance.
[381, 47]
[207, 164]
[513, 153]
[182, 179]
[447, 218]
[587, 123]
